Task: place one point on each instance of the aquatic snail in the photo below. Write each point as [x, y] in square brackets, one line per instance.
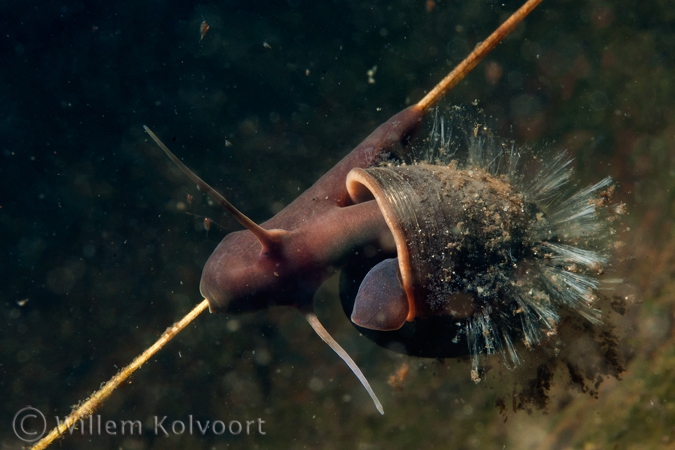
[482, 255]
[446, 249]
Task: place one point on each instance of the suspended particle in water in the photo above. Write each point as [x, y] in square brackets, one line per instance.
[397, 378]
[371, 74]
[203, 29]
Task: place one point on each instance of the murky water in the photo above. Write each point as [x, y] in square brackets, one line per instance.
[99, 255]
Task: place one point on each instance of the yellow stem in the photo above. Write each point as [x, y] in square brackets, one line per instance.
[482, 49]
[94, 402]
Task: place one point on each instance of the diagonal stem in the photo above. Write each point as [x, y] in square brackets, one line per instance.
[476, 56]
[87, 408]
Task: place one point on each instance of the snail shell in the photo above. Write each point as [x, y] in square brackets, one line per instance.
[485, 255]
[454, 232]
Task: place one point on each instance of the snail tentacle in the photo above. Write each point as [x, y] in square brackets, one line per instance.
[337, 348]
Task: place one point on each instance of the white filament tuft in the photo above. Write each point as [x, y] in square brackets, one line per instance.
[555, 265]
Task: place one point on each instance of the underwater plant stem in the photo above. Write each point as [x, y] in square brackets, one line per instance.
[332, 343]
[476, 56]
[87, 408]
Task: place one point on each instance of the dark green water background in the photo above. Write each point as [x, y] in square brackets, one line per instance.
[92, 233]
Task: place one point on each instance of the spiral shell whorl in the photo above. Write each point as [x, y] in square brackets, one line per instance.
[457, 227]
